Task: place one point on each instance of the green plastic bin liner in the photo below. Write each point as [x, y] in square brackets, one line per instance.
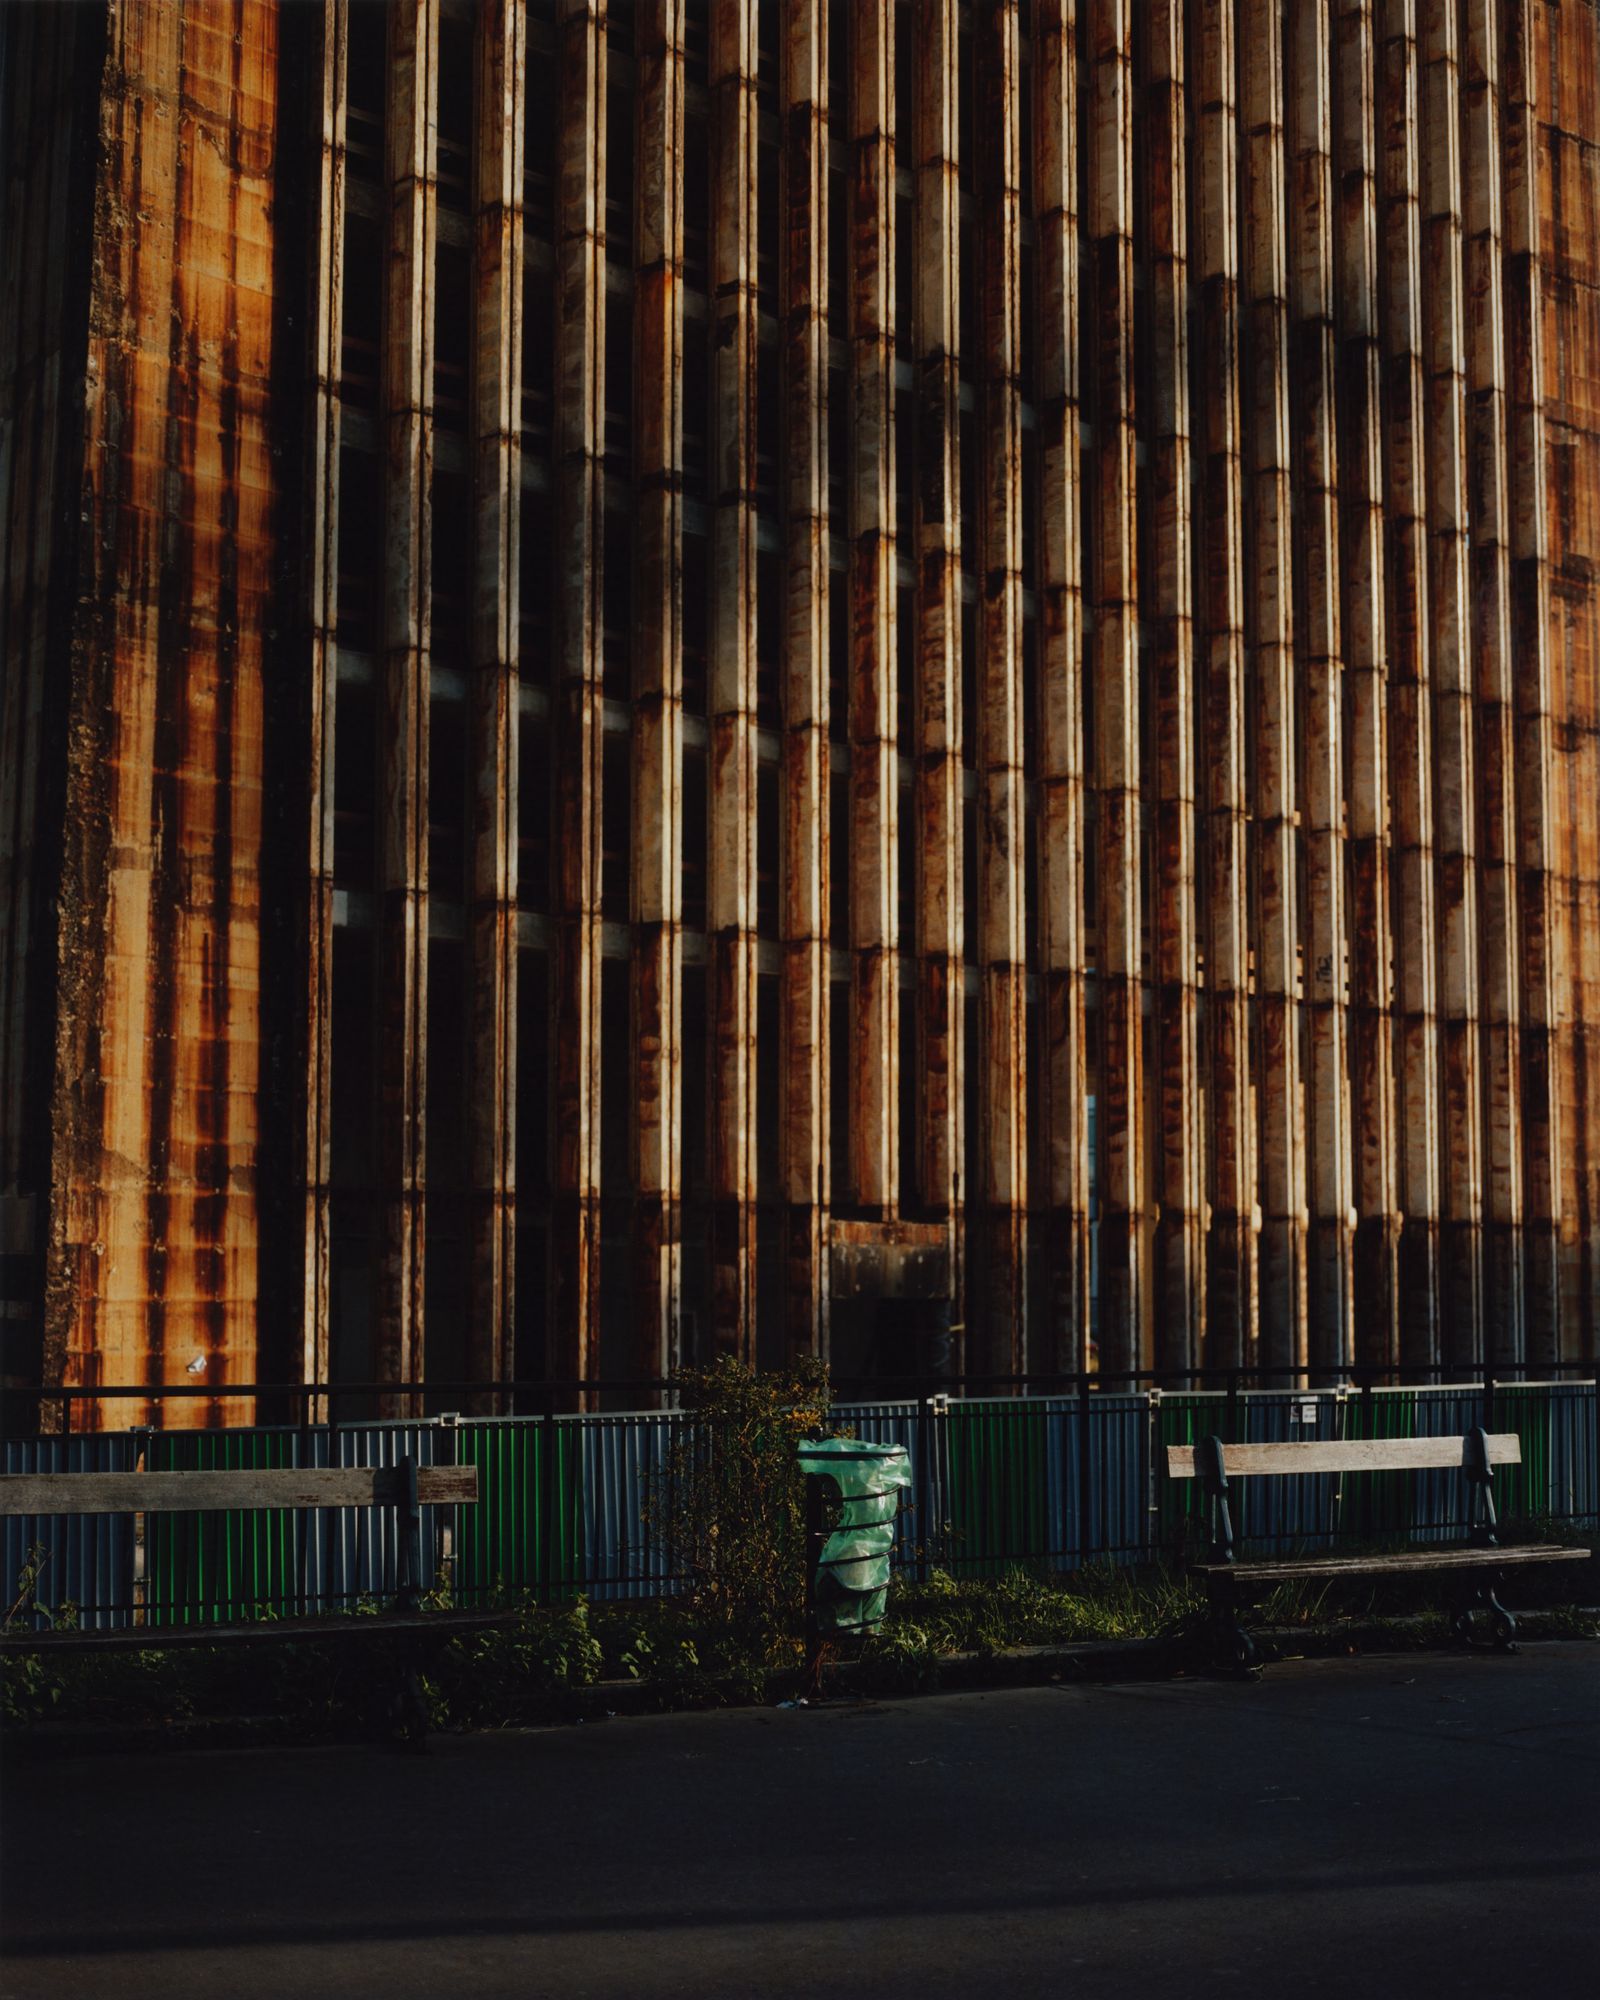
[852, 1581]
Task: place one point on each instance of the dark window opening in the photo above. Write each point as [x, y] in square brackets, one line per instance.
[768, 234]
[838, 234]
[352, 1100]
[696, 200]
[541, 167]
[697, 43]
[616, 1098]
[695, 835]
[769, 1126]
[538, 360]
[533, 815]
[616, 824]
[696, 622]
[360, 550]
[361, 319]
[838, 658]
[447, 800]
[839, 457]
[447, 1068]
[905, 468]
[696, 1164]
[769, 425]
[769, 639]
[971, 887]
[767, 850]
[533, 1077]
[839, 859]
[619, 386]
[839, 65]
[905, 283]
[970, 720]
[366, 85]
[619, 157]
[452, 337]
[617, 634]
[911, 1097]
[454, 156]
[839, 1048]
[967, 450]
[1031, 717]
[905, 669]
[906, 845]
[354, 787]
[696, 408]
[451, 514]
[535, 639]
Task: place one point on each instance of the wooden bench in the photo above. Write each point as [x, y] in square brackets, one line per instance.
[1480, 1559]
[405, 1486]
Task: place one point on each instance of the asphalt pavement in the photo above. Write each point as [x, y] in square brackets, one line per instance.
[1407, 1825]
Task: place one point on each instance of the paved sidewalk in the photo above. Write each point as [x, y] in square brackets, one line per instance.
[1399, 1825]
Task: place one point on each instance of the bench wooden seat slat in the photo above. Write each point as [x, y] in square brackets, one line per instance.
[1346, 1455]
[243, 1490]
[144, 1638]
[1446, 1557]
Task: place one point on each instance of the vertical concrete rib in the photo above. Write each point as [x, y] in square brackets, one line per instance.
[492, 702]
[732, 885]
[1410, 716]
[657, 873]
[580, 448]
[1178, 1283]
[1451, 643]
[403, 735]
[1109, 229]
[1330, 1260]
[322, 513]
[1360, 431]
[1523, 278]
[874, 783]
[1001, 1338]
[42, 57]
[1230, 1190]
[1492, 683]
[938, 1176]
[1063, 1091]
[1284, 1341]
[804, 336]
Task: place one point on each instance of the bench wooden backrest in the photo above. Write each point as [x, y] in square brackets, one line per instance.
[243, 1491]
[1346, 1455]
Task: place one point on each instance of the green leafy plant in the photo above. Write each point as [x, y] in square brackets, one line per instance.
[729, 1504]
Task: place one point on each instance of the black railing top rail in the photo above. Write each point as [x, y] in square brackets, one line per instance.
[549, 1397]
[1353, 1374]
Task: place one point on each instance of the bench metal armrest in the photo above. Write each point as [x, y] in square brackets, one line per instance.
[1208, 1462]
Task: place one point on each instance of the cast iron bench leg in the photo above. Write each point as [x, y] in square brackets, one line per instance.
[1232, 1648]
[1479, 1594]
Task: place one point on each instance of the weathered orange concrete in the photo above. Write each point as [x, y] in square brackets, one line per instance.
[153, 1246]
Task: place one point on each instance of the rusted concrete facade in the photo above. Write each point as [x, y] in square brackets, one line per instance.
[920, 681]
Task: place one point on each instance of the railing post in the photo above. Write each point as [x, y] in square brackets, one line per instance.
[814, 1539]
[924, 1484]
[547, 1495]
[410, 1553]
[1085, 1476]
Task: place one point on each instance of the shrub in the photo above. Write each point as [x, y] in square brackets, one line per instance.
[729, 1503]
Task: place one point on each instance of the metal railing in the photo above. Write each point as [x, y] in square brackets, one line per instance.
[1060, 1473]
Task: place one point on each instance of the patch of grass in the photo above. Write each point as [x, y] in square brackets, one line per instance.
[1026, 1607]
